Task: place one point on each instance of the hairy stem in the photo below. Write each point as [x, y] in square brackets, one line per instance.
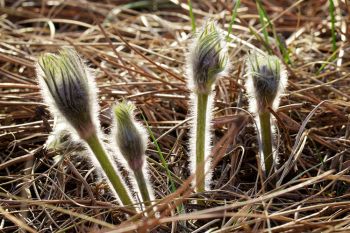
[108, 168]
[266, 139]
[202, 102]
[141, 182]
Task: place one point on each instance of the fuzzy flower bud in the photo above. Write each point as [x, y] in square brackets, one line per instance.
[69, 90]
[131, 137]
[207, 58]
[267, 78]
[266, 81]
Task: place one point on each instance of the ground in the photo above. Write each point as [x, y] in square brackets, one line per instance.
[137, 50]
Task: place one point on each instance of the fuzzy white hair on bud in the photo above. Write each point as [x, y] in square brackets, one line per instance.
[207, 58]
[131, 139]
[130, 136]
[206, 61]
[69, 89]
[266, 81]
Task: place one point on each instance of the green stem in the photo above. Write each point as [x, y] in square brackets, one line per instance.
[108, 168]
[141, 182]
[202, 102]
[266, 139]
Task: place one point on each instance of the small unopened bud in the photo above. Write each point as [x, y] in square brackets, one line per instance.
[267, 78]
[266, 81]
[131, 137]
[69, 90]
[207, 58]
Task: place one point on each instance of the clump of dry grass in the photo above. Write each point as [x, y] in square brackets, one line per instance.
[138, 52]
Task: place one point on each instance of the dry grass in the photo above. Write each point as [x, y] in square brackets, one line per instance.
[138, 53]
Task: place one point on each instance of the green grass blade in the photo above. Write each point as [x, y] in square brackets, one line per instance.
[181, 208]
[334, 39]
[233, 18]
[330, 59]
[193, 20]
[262, 17]
[259, 38]
[331, 13]
[266, 23]
[283, 48]
[163, 161]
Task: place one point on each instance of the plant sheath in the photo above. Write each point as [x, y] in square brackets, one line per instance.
[106, 164]
[266, 139]
[202, 102]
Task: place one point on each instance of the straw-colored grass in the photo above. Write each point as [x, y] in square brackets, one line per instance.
[138, 51]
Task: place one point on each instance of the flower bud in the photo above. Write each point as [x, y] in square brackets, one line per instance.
[266, 81]
[207, 58]
[130, 136]
[69, 89]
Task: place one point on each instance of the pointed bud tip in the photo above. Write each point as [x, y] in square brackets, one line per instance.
[266, 80]
[124, 111]
[130, 137]
[67, 90]
[207, 58]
